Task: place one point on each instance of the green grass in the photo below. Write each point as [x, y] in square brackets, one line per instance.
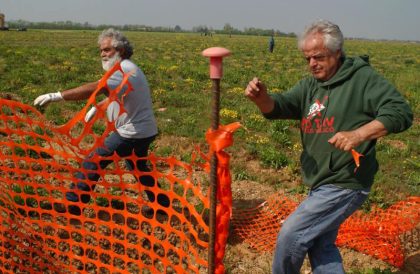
[36, 62]
[371, 271]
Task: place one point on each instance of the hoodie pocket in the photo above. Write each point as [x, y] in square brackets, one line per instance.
[340, 160]
[324, 166]
[315, 165]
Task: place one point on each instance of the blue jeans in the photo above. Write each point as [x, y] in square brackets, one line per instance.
[123, 147]
[312, 229]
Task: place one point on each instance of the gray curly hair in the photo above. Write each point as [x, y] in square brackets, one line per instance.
[333, 37]
[119, 41]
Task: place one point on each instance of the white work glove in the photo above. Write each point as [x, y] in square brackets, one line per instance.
[89, 115]
[48, 98]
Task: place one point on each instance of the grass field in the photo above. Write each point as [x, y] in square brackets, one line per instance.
[37, 62]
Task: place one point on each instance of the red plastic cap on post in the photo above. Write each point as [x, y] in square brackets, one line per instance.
[216, 55]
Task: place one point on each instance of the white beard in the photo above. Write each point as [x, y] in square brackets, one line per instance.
[108, 63]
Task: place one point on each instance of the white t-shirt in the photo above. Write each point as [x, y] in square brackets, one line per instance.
[139, 120]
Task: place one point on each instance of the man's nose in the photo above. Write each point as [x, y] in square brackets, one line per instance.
[312, 62]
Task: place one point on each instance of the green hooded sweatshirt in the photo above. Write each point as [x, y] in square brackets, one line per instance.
[353, 97]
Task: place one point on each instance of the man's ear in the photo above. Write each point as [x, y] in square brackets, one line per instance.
[121, 52]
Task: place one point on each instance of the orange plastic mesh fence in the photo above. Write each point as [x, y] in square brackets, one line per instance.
[119, 230]
[380, 233]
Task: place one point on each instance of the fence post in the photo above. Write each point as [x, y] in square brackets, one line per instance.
[216, 55]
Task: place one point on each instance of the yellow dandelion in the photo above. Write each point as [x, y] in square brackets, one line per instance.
[256, 117]
[236, 90]
[257, 139]
[262, 140]
[189, 80]
[297, 146]
[172, 68]
[158, 92]
[228, 113]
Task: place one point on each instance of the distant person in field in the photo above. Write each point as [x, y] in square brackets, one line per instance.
[271, 44]
[345, 104]
[134, 132]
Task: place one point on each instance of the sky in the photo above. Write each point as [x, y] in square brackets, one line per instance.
[371, 19]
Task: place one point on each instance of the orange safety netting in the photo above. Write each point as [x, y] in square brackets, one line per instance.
[380, 233]
[119, 230]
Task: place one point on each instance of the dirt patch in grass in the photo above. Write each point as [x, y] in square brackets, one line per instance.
[397, 144]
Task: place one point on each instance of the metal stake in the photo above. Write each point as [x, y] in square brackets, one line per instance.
[216, 55]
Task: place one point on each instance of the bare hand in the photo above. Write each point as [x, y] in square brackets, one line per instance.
[346, 140]
[255, 89]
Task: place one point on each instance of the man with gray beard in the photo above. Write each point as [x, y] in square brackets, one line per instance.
[135, 130]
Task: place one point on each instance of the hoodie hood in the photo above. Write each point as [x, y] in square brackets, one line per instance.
[347, 68]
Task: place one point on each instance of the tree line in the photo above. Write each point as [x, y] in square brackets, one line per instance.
[203, 29]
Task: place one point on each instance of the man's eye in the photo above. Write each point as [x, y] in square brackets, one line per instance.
[316, 58]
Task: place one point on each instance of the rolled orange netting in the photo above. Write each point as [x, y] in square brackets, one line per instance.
[119, 230]
[218, 140]
[381, 233]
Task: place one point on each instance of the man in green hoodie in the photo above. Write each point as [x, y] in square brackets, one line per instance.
[344, 105]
